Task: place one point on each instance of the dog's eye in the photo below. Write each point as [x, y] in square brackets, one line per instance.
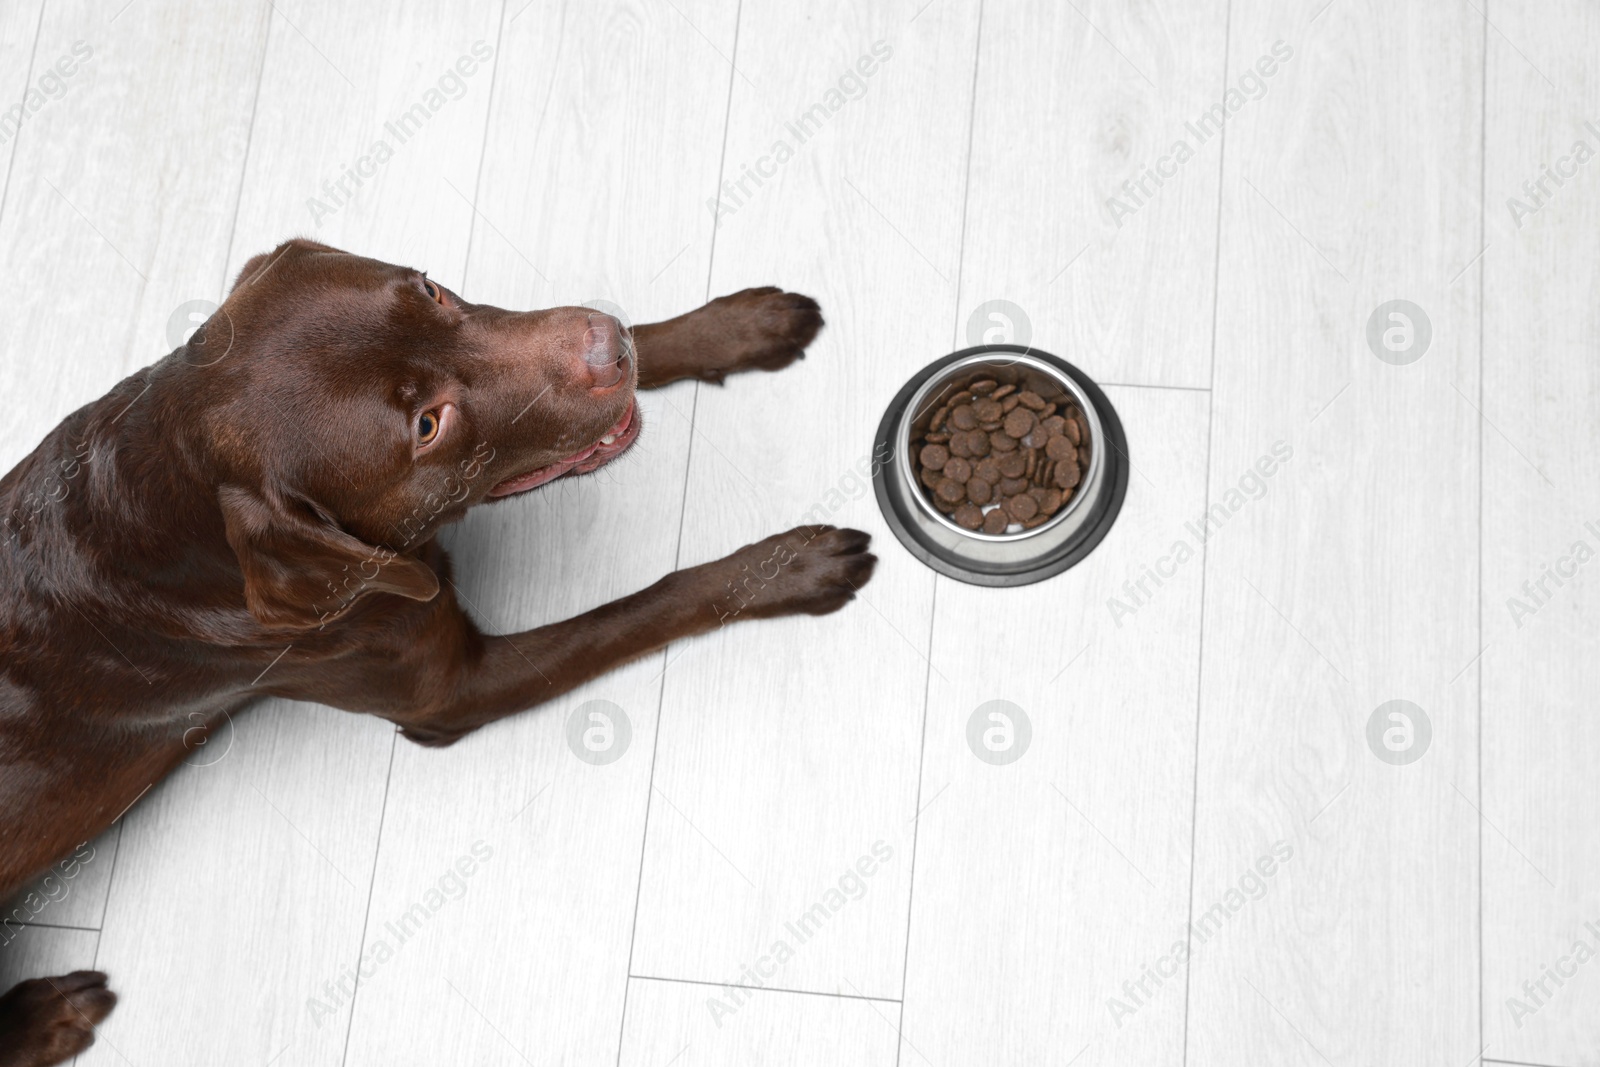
[427, 427]
[435, 293]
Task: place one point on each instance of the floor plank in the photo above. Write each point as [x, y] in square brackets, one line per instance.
[789, 748]
[1353, 582]
[73, 892]
[671, 1022]
[45, 952]
[1086, 813]
[24, 95]
[602, 145]
[256, 920]
[1120, 277]
[109, 223]
[1540, 604]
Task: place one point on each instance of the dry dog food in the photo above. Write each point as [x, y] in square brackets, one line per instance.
[1001, 460]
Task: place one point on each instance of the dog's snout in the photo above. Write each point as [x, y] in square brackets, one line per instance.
[605, 351]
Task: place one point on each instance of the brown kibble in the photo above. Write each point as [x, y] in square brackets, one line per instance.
[963, 397]
[1009, 404]
[1002, 442]
[979, 490]
[1067, 475]
[978, 443]
[1002, 392]
[1038, 520]
[936, 438]
[1083, 429]
[1046, 468]
[968, 516]
[989, 427]
[1049, 409]
[996, 521]
[1030, 463]
[1013, 464]
[1019, 423]
[1060, 448]
[934, 457]
[1036, 438]
[1049, 500]
[957, 468]
[963, 418]
[987, 410]
[1021, 507]
[1054, 426]
[958, 445]
[987, 469]
[930, 477]
[1072, 432]
[1031, 400]
[1012, 486]
[983, 386]
[937, 422]
[951, 491]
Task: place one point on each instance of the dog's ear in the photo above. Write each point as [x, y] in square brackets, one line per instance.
[300, 571]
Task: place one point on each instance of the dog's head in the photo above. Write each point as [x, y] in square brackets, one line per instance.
[349, 408]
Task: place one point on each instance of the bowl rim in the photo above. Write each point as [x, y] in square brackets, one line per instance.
[989, 355]
[908, 527]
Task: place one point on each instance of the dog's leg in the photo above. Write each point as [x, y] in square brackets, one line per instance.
[757, 329]
[46, 1021]
[809, 570]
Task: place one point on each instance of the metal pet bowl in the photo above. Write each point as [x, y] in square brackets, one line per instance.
[1013, 558]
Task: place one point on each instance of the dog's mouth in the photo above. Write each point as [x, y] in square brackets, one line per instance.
[609, 446]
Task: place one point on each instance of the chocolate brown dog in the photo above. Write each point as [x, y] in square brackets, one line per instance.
[277, 483]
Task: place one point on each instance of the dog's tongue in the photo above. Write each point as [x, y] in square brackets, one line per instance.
[535, 478]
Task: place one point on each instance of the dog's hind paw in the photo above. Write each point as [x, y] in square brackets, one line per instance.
[46, 1021]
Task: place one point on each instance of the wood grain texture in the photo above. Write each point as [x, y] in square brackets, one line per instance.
[1353, 580]
[243, 883]
[668, 1022]
[19, 27]
[602, 145]
[1541, 605]
[111, 221]
[790, 747]
[43, 951]
[73, 892]
[308, 782]
[1073, 101]
[1095, 813]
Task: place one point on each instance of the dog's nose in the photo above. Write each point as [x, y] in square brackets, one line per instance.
[605, 351]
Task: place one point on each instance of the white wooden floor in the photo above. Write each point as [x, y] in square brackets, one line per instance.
[1200, 709]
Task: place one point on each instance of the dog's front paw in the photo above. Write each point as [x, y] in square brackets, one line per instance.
[757, 329]
[810, 570]
[50, 1020]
